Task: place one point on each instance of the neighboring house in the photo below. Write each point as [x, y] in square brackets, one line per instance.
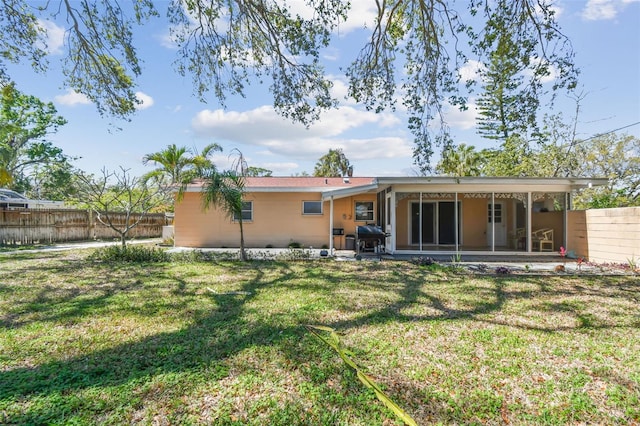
[12, 200]
[413, 214]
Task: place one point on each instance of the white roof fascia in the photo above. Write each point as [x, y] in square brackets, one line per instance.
[439, 184]
[347, 192]
[307, 189]
[489, 184]
[290, 188]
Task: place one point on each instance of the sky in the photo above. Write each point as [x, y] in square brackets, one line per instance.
[605, 35]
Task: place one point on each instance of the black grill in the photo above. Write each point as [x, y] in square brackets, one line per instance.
[369, 237]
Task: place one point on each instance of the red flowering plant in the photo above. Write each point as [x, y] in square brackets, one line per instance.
[563, 254]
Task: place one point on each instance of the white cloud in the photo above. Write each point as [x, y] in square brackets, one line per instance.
[72, 98]
[471, 70]
[262, 127]
[555, 8]
[226, 162]
[340, 90]
[146, 101]
[167, 40]
[362, 14]
[599, 10]
[263, 124]
[457, 119]
[553, 74]
[553, 71]
[53, 41]
[280, 169]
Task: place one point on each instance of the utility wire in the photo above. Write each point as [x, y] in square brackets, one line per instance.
[606, 133]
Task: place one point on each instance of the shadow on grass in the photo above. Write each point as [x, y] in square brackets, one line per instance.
[203, 344]
[216, 335]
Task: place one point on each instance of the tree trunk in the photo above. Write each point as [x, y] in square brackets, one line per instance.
[123, 239]
[243, 254]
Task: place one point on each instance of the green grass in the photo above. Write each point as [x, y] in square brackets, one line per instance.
[87, 342]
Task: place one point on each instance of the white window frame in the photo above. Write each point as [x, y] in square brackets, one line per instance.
[304, 212]
[244, 210]
[371, 212]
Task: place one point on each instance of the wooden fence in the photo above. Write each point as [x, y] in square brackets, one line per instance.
[605, 235]
[35, 226]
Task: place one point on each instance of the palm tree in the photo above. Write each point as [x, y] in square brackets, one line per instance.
[224, 190]
[202, 162]
[459, 161]
[173, 161]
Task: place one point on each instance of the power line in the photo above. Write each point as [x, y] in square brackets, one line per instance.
[610, 131]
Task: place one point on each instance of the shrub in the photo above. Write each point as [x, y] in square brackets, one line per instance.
[189, 256]
[294, 254]
[295, 244]
[502, 270]
[423, 261]
[117, 253]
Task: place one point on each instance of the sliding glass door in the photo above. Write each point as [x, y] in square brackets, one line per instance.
[435, 222]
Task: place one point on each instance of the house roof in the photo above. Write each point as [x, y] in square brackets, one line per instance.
[337, 187]
[468, 184]
[296, 183]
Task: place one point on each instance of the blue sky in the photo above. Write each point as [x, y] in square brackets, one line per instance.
[605, 35]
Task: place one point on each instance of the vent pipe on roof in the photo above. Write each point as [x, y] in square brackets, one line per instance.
[345, 179]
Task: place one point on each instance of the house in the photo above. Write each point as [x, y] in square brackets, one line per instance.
[413, 215]
[12, 200]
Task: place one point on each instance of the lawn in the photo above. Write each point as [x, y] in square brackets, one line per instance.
[194, 342]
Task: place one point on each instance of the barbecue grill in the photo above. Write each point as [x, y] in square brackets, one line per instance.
[369, 237]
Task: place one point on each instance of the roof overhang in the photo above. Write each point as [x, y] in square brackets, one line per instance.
[489, 184]
[348, 192]
[436, 184]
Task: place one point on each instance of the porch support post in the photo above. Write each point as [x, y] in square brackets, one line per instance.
[455, 215]
[420, 222]
[331, 225]
[493, 221]
[565, 217]
[529, 203]
[392, 213]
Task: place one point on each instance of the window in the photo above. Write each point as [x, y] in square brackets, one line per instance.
[364, 211]
[498, 211]
[247, 212]
[312, 207]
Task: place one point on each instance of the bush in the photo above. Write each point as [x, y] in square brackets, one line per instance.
[423, 261]
[292, 254]
[190, 256]
[140, 254]
[295, 244]
[503, 270]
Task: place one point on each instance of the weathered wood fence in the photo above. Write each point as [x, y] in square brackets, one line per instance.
[35, 226]
[605, 235]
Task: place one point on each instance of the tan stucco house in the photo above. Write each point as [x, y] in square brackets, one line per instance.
[413, 215]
